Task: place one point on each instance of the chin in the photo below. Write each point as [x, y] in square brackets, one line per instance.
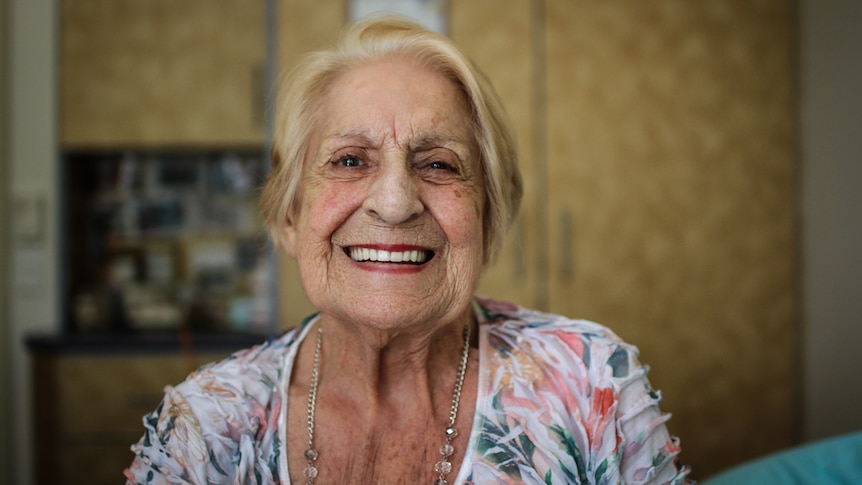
[395, 310]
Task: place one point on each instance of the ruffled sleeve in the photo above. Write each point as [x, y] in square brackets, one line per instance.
[173, 449]
[649, 452]
[623, 429]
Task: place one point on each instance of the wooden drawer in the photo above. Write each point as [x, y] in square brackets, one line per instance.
[107, 394]
[89, 409]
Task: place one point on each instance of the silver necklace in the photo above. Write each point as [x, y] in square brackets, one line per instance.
[441, 468]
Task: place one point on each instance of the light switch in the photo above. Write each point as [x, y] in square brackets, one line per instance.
[28, 219]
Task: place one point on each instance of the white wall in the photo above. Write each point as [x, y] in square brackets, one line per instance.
[831, 76]
[32, 292]
[5, 363]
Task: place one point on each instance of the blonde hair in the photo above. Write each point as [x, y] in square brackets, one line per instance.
[303, 89]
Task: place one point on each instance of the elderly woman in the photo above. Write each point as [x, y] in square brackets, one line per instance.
[394, 181]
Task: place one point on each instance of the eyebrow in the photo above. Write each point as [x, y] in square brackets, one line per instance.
[462, 145]
[438, 140]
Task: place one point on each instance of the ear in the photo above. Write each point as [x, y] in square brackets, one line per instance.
[289, 237]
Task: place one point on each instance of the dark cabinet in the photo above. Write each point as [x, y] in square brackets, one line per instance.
[161, 240]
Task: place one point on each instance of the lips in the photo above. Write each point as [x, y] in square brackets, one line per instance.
[407, 256]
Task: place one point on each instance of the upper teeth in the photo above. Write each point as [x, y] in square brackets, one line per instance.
[366, 254]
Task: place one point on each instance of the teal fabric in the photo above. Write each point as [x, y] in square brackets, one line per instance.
[833, 461]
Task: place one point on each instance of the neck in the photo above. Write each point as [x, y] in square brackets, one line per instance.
[380, 385]
[372, 365]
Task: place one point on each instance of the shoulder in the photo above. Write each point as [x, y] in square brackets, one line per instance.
[241, 388]
[513, 316]
[557, 340]
[248, 373]
[210, 424]
[579, 380]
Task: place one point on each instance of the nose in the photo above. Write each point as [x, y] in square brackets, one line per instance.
[394, 195]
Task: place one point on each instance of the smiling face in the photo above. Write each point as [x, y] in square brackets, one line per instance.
[389, 228]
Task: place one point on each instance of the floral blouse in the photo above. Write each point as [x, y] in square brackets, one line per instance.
[559, 401]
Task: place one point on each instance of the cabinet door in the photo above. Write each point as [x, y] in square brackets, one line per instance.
[89, 410]
[162, 73]
[672, 181]
[498, 40]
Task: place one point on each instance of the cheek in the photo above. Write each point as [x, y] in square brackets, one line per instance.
[460, 214]
[321, 205]
[326, 209]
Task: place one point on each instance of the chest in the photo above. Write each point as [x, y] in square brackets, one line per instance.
[359, 449]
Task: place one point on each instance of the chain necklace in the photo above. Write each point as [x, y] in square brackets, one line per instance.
[441, 468]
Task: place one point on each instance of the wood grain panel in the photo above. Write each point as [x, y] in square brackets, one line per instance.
[89, 410]
[161, 72]
[125, 388]
[672, 155]
[304, 26]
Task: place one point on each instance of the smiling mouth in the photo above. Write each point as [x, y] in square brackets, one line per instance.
[413, 256]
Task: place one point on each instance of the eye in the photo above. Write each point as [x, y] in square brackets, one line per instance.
[349, 161]
[439, 170]
[440, 165]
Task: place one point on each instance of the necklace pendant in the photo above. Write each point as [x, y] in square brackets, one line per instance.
[443, 467]
[310, 473]
[446, 450]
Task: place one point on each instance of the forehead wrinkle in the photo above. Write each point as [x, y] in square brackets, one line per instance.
[410, 134]
[353, 134]
[361, 138]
